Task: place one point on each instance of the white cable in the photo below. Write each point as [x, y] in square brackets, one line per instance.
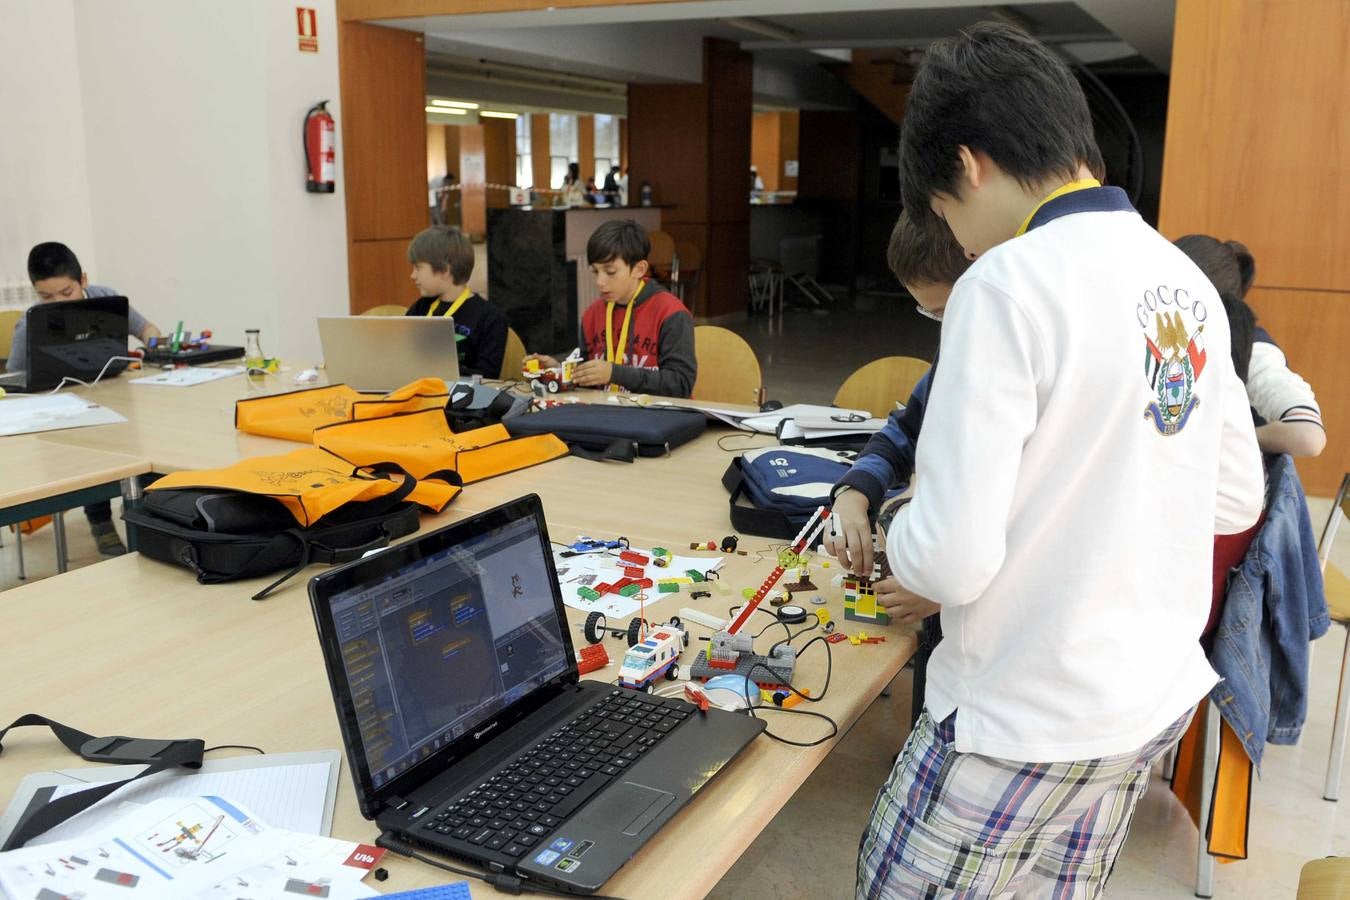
[99, 377]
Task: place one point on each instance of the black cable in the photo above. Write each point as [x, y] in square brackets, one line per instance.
[834, 726]
[503, 881]
[234, 747]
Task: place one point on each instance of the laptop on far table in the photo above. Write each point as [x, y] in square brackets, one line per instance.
[71, 339]
[382, 353]
[467, 729]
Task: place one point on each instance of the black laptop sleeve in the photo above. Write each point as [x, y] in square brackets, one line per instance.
[601, 431]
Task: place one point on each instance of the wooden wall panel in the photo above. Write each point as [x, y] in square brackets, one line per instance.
[380, 274]
[1258, 134]
[499, 148]
[436, 159]
[668, 147]
[586, 148]
[384, 142]
[1313, 330]
[766, 148]
[539, 144]
[789, 135]
[382, 78]
[728, 71]
[473, 181]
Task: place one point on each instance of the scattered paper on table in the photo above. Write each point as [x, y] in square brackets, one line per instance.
[190, 375]
[51, 412]
[190, 847]
[589, 569]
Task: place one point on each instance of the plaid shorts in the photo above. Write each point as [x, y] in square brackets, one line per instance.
[960, 825]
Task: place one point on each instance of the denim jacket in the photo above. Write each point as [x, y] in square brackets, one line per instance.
[887, 460]
[1274, 607]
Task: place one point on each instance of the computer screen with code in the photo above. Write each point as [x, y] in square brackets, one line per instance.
[446, 642]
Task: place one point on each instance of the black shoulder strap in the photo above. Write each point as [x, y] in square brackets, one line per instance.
[157, 754]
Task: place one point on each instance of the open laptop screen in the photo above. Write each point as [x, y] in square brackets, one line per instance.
[444, 642]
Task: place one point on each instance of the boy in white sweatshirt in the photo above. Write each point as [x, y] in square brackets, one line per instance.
[1066, 495]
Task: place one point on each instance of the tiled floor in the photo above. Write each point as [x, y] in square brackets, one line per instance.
[809, 849]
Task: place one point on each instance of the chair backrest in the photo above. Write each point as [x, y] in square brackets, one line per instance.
[691, 258]
[385, 309]
[513, 357]
[1340, 508]
[9, 319]
[728, 370]
[663, 250]
[882, 383]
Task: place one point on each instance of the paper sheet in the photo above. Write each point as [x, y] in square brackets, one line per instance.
[809, 414]
[589, 569]
[190, 847]
[189, 376]
[51, 412]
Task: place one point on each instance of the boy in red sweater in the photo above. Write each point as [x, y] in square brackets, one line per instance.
[638, 336]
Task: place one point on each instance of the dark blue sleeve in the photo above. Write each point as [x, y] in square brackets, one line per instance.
[887, 460]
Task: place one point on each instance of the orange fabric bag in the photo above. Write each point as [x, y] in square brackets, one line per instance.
[309, 482]
[423, 444]
[293, 416]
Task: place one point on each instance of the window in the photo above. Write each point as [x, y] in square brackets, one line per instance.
[606, 145]
[562, 146]
[524, 159]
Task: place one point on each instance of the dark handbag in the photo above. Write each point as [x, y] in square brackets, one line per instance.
[229, 535]
[601, 431]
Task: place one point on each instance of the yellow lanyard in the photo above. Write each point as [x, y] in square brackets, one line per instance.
[454, 307]
[612, 353]
[1079, 185]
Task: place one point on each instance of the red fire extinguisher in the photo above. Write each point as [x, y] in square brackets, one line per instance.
[320, 150]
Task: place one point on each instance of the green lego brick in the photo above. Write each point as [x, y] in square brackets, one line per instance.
[631, 590]
[586, 593]
[667, 587]
[695, 574]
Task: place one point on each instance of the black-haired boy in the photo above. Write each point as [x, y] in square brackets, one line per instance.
[56, 274]
[638, 335]
[1066, 497]
[442, 259]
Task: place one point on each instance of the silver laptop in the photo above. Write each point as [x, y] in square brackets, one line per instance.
[382, 353]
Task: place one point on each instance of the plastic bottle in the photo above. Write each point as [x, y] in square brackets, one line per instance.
[646, 193]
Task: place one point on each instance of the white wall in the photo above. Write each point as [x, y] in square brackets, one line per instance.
[43, 185]
[187, 190]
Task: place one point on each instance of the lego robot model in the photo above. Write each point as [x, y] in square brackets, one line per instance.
[554, 379]
[730, 651]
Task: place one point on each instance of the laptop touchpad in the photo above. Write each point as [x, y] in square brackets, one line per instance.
[635, 805]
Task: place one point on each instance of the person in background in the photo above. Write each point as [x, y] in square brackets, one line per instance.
[622, 182]
[56, 275]
[572, 192]
[442, 259]
[1288, 418]
[611, 186]
[639, 336]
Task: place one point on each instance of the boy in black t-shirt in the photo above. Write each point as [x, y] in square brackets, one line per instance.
[442, 259]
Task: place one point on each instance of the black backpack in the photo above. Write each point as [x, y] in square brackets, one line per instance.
[227, 535]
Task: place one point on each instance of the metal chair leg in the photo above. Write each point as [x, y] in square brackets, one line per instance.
[59, 532]
[1332, 789]
[18, 544]
[1169, 763]
[1204, 863]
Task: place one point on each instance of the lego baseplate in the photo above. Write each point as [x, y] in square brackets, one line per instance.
[702, 671]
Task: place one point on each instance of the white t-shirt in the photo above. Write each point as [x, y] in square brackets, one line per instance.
[1085, 439]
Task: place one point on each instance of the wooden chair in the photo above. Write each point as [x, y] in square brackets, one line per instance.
[1337, 588]
[513, 357]
[663, 252]
[881, 384]
[385, 309]
[691, 266]
[1325, 879]
[9, 319]
[728, 370]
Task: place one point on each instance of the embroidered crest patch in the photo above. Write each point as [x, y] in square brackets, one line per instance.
[1173, 362]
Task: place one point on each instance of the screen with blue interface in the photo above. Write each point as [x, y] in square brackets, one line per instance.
[446, 642]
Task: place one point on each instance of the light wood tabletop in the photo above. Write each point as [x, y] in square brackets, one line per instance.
[35, 469]
[133, 646]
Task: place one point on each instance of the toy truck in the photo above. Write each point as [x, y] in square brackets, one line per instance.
[657, 654]
[553, 379]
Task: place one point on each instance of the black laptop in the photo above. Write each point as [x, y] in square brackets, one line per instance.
[467, 729]
[71, 339]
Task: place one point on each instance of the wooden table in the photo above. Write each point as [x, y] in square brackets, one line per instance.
[135, 646]
[41, 478]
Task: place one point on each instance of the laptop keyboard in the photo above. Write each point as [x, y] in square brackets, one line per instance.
[514, 809]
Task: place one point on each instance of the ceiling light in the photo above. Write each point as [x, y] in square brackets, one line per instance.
[494, 114]
[444, 111]
[456, 104]
[762, 27]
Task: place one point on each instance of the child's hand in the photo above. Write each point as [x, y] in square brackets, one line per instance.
[903, 605]
[849, 536]
[593, 373]
[545, 362]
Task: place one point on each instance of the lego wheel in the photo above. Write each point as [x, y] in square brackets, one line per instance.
[829, 627]
[553, 387]
[673, 672]
[647, 688]
[675, 620]
[634, 631]
[595, 627]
